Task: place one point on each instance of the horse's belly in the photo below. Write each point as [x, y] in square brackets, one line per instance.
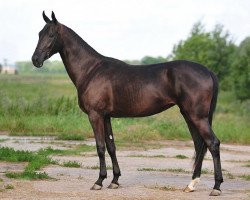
[140, 109]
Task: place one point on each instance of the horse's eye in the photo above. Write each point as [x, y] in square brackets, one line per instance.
[51, 35]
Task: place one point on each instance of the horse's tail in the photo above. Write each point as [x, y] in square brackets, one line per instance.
[201, 147]
[214, 98]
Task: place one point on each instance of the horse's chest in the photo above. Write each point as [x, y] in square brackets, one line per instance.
[94, 100]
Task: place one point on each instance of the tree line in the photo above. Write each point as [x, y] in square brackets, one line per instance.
[215, 49]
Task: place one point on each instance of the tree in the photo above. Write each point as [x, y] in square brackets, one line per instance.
[212, 49]
[147, 60]
[241, 70]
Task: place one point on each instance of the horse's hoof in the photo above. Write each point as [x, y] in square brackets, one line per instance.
[113, 186]
[188, 189]
[215, 193]
[96, 187]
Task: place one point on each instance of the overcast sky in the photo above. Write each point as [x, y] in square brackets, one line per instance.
[124, 29]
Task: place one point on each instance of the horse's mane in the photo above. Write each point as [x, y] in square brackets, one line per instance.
[90, 49]
[82, 43]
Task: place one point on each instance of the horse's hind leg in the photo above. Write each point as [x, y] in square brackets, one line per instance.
[109, 139]
[200, 151]
[213, 144]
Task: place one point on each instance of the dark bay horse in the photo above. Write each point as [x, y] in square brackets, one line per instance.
[108, 87]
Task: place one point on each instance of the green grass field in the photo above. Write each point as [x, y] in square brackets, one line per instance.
[47, 105]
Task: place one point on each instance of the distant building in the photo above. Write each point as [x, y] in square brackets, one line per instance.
[8, 70]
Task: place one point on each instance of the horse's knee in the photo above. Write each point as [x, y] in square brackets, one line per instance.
[101, 151]
[214, 147]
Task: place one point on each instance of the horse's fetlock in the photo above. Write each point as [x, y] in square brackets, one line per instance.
[103, 175]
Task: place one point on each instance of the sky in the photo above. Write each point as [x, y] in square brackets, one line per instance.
[123, 29]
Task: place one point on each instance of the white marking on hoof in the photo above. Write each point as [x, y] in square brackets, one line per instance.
[113, 186]
[215, 193]
[192, 185]
[188, 189]
[96, 187]
[110, 137]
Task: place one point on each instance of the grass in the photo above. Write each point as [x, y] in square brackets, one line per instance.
[95, 167]
[76, 150]
[146, 156]
[173, 170]
[203, 171]
[246, 177]
[47, 105]
[65, 136]
[9, 187]
[29, 175]
[247, 165]
[180, 156]
[37, 160]
[164, 188]
[229, 175]
[178, 170]
[72, 164]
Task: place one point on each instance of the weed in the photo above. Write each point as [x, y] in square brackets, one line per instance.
[9, 154]
[177, 170]
[245, 176]
[205, 171]
[80, 177]
[151, 169]
[229, 175]
[95, 167]
[77, 150]
[29, 175]
[164, 188]
[72, 164]
[65, 136]
[147, 156]
[180, 156]
[9, 187]
[35, 162]
[173, 170]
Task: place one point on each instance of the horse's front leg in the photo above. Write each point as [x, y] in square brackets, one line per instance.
[97, 123]
[110, 143]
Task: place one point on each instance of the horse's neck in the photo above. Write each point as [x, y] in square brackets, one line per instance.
[78, 57]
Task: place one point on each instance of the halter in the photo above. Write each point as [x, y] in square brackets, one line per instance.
[53, 44]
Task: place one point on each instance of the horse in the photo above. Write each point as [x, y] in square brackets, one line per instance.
[110, 88]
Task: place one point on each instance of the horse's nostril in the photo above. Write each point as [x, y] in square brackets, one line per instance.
[35, 58]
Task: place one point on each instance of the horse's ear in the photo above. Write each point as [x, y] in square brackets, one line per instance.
[46, 19]
[54, 18]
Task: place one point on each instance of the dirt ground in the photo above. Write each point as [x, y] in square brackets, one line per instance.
[135, 182]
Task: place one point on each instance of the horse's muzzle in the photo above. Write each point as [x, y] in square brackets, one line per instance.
[36, 61]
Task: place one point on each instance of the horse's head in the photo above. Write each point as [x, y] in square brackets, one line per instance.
[49, 41]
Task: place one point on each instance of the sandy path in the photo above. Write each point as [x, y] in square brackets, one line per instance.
[74, 183]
